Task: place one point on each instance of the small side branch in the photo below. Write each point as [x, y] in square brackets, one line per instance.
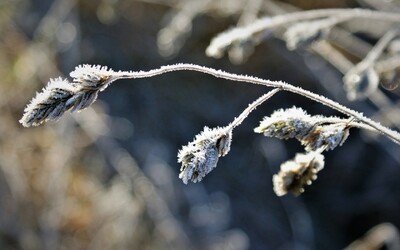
[252, 106]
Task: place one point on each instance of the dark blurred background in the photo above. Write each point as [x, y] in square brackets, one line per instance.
[107, 177]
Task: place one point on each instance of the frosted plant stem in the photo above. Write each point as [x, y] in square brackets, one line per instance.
[334, 20]
[225, 39]
[333, 56]
[362, 80]
[393, 135]
[349, 122]
[252, 106]
[377, 50]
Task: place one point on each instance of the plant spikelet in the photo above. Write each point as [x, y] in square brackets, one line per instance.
[61, 95]
[286, 123]
[92, 76]
[50, 104]
[201, 156]
[297, 173]
[309, 130]
[326, 137]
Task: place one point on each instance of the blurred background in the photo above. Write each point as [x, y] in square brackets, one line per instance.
[107, 177]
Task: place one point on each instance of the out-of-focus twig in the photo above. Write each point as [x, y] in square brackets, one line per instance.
[384, 234]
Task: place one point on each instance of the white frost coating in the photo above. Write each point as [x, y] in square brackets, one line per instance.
[201, 156]
[326, 137]
[287, 123]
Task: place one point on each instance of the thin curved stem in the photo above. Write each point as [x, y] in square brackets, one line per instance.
[225, 39]
[252, 106]
[377, 50]
[393, 135]
[348, 122]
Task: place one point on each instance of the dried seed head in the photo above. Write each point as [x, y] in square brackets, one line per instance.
[83, 99]
[309, 130]
[297, 173]
[201, 156]
[60, 95]
[326, 137]
[92, 76]
[50, 104]
[303, 34]
[287, 123]
[360, 83]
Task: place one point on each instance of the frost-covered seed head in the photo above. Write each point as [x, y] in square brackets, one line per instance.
[326, 137]
[50, 104]
[309, 130]
[61, 95]
[295, 174]
[286, 123]
[201, 156]
[92, 76]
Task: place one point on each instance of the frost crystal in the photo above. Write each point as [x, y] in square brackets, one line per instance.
[297, 173]
[201, 156]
